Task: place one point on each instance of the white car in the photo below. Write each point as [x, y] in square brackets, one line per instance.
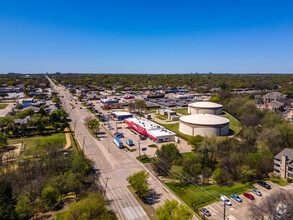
[225, 200]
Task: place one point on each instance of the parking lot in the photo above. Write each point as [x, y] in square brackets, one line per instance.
[134, 136]
[240, 210]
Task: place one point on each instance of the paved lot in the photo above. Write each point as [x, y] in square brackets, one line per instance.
[239, 211]
[4, 112]
[128, 134]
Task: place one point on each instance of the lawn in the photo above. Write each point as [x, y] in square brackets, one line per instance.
[182, 111]
[32, 143]
[279, 181]
[3, 106]
[201, 196]
[234, 124]
[175, 128]
[161, 117]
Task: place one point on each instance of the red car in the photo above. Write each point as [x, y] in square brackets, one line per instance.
[249, 196]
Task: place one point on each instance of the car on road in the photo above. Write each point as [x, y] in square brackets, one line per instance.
[129, 142]
[205, 211]
[236, 197]
[225, 200]
[80, 107]
[264, 184]
[249, 196]
[256, 192]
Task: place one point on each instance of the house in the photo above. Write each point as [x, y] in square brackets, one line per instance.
[274, 105]
[22, 121]
[283, 163]
[26, 102]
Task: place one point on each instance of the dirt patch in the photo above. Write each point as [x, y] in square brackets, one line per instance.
[14, 151]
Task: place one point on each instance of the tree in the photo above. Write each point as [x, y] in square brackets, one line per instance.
[3, 95]
[247, 174]
[218, 176]
[178, 173]
[23, 208]
[6, 202]
[171, 210]
[50, 195]
[92, 207]
[3, 140]
[139, 182]
[195, 141]
[215, 98]
[279, 201]
[56, 100]
[94, 125]
[140, 105]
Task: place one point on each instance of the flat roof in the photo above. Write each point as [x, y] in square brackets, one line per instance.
[152, 128]
[205, 105]
[121, 113]
[204, 119]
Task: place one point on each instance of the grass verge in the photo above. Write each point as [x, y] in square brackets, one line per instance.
[143, 159]
[198, 197]
[279, 181]
[3, 106]
[161, 117]
[182, 111]
[234, 124]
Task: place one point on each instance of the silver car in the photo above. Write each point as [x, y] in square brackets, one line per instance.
[256, 192]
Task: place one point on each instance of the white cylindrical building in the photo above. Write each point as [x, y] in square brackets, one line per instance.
[204, 124]
[204, 108]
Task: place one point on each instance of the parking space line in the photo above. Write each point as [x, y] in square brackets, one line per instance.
[210, 207]
[219, 207]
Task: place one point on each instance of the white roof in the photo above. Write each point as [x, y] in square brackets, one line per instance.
[205, 105]
[152, 128]
[121, 113]
[204, 119]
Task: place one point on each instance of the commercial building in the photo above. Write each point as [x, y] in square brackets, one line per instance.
[109, 101]
[122, 115]
[154, 131]
[283, 163]
[166, 112]
[204, 125]
[205, 108]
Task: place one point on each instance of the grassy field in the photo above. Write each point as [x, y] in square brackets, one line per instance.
[182, 111]
[201, 196]
[175, 128]
[234, 125]
[32, 143]
[3, 106]
[161, 117]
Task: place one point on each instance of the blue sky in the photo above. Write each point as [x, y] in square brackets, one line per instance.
[141, 36]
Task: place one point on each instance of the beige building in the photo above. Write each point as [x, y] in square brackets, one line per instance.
[283, 163]
[204, 125]
[205, 108]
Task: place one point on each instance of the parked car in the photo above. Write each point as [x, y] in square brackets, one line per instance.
[249, 196]
[236, 197]
[256, 192]
[119, 135]
[129, 142]
[205, 211]
[225, 200]
[264, 184]
[142, 138]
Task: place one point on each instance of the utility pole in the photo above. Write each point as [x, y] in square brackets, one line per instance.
[106, 185]
[139, 146]
[83, 142]
[224, 210]
[74, 126]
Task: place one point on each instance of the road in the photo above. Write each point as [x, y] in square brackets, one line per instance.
[114, 164]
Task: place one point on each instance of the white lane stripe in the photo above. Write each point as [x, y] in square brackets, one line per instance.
[210, 207]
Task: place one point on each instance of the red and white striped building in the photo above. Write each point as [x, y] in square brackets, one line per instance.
[155, 131]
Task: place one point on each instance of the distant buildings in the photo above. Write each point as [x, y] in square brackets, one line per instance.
[273, 101]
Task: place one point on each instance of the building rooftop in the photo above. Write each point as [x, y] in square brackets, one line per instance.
[286, 151]
[204, 119]
[205, 105]
[121, 113]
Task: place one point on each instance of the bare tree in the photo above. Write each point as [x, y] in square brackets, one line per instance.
[279, 203]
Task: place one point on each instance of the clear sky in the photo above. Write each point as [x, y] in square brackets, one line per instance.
[146, 36]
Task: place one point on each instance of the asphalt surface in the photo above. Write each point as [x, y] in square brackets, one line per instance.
[114, 165]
